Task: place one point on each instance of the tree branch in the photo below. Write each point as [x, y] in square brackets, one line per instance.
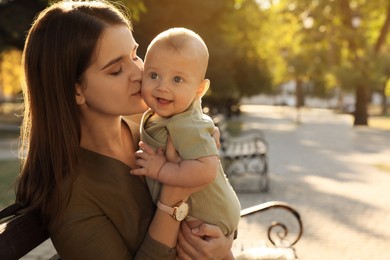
[384, 31]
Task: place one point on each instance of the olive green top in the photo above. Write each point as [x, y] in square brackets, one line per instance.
[190, 132]
[108, 215]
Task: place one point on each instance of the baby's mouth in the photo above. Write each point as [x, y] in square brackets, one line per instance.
[163, 101]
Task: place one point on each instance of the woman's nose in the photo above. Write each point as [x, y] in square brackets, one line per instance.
[136, 69]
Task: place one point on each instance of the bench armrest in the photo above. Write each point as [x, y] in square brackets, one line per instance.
[281, 235]
[19, 233]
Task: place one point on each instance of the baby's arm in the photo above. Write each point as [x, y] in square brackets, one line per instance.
[189, 173]
[184, 173]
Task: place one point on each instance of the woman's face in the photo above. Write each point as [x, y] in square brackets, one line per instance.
[111, 84]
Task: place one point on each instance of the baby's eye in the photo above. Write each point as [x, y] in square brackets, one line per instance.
[177, 79]
[153, 75]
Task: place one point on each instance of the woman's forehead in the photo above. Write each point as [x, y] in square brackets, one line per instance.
[115, 41]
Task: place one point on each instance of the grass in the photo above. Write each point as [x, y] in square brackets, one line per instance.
[4, 133]
[9, 168]
[234, 127]
[8, 173]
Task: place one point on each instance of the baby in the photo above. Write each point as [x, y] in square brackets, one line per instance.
[173, 85]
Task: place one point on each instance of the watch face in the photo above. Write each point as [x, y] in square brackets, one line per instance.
[181, 211]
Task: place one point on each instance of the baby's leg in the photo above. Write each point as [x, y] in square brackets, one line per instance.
[193, 222]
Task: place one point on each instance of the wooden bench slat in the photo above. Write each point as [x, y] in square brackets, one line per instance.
[236, 152]
[19, 233]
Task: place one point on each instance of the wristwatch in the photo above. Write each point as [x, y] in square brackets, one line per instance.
[178, 212]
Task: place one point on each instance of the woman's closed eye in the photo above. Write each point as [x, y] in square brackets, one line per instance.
[117, 72]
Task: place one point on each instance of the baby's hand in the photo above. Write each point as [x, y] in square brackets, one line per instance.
[149, 161]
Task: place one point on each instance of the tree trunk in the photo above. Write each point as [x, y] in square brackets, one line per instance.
[361, 90]
[384, 101]
[361, 116]
[1, 80]
[384, 31]
[299, 95]
[378, 45]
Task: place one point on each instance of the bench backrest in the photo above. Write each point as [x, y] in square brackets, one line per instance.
[19, 233]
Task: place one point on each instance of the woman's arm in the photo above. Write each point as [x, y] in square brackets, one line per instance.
[163, 230]
[205, 242]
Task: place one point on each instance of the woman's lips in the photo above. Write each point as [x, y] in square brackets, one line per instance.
[136, 93]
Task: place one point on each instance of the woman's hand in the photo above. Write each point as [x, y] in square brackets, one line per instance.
[204, 242]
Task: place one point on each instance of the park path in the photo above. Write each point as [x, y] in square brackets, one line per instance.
[333, 174]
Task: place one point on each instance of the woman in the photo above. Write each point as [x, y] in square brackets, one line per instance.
[82, 74]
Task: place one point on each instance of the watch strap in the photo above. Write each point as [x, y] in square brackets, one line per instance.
[165, 208]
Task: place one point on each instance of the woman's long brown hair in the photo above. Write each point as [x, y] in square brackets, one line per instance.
[59, 47]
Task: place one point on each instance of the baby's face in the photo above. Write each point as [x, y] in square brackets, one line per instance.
[171, 80]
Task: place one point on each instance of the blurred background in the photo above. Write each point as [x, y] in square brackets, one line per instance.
[327, 53]
[292, 55]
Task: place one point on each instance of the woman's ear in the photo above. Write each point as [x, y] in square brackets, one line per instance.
[203, 87]
[80, 99]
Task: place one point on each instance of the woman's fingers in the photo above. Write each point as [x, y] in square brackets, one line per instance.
[184, 249]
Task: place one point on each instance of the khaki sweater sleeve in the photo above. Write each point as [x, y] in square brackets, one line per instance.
[151, 249]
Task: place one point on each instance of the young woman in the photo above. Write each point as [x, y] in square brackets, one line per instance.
[83, 76]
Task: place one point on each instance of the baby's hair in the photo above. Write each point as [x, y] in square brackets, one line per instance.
[178, 38]
[182, 39]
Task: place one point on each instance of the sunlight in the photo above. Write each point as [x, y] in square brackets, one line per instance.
[267, 4]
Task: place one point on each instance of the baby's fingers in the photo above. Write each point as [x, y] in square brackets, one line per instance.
[139, 154]
[139, 171]
[146, 148]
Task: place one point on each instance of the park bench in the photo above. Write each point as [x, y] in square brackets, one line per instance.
[21, 233]
[243, 154]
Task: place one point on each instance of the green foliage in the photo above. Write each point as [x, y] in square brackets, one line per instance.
[387, 89]
[257, 45]
[10, 72]
[236, 66]
[8, 173]
[16, 17]
[133, 8]
[343, 38]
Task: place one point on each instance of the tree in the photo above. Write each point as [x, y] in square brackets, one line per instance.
[16, 17]
[352, 34]
[10, 72]
[236, 68]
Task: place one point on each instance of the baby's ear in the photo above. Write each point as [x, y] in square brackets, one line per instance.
[203, 87]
